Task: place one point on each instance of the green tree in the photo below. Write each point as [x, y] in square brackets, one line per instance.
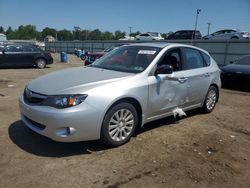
[135, 33]
[48, 31]
[64, 35]
[9, 32]
[77, 33]
[95, 35]
[107, 36]
[119, 34]
[26, 32]
[2, 29]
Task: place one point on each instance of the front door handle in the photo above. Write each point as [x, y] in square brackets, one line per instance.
[182, 80]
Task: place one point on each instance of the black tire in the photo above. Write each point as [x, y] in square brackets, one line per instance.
[235, 37]
[83, 57]
[112, 129]
[40, 63]
[210, 100]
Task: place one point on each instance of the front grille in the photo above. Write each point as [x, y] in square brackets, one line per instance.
[35, 124]
[32, 97]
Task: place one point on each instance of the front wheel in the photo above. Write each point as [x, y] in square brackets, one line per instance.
[40, 63]
[210, 100]
[119, 124]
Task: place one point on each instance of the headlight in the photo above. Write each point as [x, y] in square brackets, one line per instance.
[64, 101]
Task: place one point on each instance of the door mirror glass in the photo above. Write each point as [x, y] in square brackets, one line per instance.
[164, 69]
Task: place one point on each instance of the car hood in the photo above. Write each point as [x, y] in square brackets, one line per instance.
[75, 80]
[233, 68]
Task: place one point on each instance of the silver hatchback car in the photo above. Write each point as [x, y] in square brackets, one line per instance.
[121, 91]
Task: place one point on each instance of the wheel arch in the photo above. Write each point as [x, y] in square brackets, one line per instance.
[39, 57]
[217, 87]
[132, 101]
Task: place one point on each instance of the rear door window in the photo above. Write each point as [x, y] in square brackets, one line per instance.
[206, 58]
[193, 59]
[29, 49]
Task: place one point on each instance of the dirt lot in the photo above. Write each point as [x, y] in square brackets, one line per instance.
[201, 150]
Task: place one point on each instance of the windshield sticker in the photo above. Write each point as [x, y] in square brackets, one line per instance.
[147, 52]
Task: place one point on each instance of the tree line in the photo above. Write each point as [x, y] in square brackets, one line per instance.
[29, 32]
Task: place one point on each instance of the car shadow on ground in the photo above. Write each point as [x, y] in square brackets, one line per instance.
[19, 68]
[36, 144]
[167, 121]
[39, 145]
[237, 87]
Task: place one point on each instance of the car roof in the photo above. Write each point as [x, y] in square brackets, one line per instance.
[187, 30]
[165, 44]
[152, 44]
[160, 44]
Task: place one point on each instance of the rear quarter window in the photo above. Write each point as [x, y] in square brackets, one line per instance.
[193, 59]
[206, 58]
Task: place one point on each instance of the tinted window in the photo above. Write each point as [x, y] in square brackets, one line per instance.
[13, 49]
[144, 35]
[193, 59]
[206, 58]
[29, 49]
[218, 33]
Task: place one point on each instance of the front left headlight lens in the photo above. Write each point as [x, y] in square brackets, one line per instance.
[64, 101]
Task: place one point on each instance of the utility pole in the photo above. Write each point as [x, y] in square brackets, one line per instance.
[130, 28]
[208, 27]
[196, 22]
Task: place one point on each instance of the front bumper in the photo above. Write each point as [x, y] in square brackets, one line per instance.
[84, 120]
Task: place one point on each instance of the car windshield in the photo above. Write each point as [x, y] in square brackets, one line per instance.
[243, 61]
[108, 49]
[132, 59]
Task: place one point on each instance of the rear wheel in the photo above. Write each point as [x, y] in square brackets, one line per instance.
[40, 63]
[211, 99]
[234, 37]
[119, 124]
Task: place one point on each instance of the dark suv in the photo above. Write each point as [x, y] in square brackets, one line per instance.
[15, 55]
[185, 34]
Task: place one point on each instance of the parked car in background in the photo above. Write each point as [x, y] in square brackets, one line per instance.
[128, 87]
[15, 55]
[149, 36]
[237, 73]
[185, 34]
[227, 34]
[90, 57]
[127, 38]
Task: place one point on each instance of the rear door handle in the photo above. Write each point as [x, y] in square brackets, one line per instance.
[182, 80]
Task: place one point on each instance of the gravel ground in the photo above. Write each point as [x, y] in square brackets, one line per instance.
[201, 150]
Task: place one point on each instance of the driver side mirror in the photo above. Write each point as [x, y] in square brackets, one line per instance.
[164, 69]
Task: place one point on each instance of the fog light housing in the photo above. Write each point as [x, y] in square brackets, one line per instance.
[65, 131]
